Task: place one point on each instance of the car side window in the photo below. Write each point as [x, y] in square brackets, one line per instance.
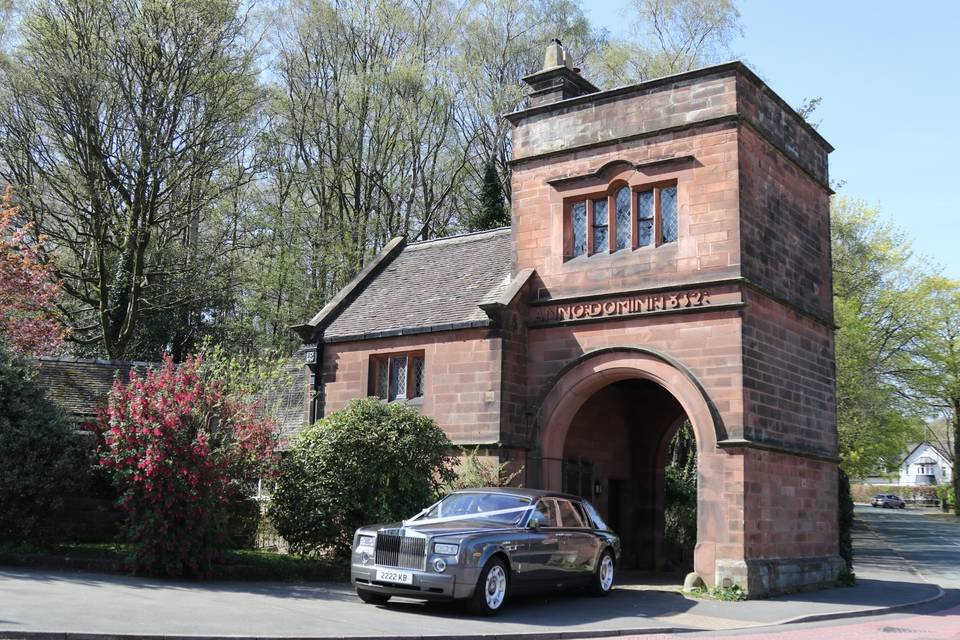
[548, 513]
[569, 515]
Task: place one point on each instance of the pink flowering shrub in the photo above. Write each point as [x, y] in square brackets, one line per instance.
[28, 288]
[180, 449]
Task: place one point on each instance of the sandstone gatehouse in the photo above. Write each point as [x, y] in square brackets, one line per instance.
[668, 260]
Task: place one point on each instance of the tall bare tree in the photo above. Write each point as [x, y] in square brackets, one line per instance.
[669, 36]
[126, 126]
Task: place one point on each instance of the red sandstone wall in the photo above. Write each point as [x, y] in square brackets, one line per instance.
[626, 113]
[709, 344]
[708, 195]
[788, 378]
[780, 124]
[461, 385]
[794, 516]
[784, 227]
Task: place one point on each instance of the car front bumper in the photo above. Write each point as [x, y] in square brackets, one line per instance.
[426, 585]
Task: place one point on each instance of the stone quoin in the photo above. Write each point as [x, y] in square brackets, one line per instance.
[668, 260]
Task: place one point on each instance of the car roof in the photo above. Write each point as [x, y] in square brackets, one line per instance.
[521, 492]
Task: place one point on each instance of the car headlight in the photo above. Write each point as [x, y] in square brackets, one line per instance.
[445, 549]
[365, 541]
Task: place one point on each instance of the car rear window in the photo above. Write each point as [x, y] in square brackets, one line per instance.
[598, 522]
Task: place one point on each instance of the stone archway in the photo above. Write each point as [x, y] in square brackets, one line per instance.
[592, 390]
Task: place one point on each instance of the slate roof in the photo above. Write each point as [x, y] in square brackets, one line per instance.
[430, 286]
[79, 385]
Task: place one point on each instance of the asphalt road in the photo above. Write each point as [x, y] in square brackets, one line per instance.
[912, 539]
[930, 543]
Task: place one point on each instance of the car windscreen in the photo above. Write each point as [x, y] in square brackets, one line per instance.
[493, 507]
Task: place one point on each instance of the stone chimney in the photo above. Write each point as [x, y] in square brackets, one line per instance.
[558, 79]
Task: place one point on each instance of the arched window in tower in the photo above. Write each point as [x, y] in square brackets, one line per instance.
[601, 226]
[623, 218]
[579, 223]
[645, 218]
[668, 214]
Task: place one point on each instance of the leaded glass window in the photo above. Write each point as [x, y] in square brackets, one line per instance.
[668, 214]
[417, 376]
[398, 377]
[579, 221]
[601, 221]
[623, 218]
[644, 218]
[383, 380]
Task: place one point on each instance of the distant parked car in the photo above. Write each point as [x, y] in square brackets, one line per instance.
[479, 545]
[888, 501]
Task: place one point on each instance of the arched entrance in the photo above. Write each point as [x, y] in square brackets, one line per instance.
[605, 423]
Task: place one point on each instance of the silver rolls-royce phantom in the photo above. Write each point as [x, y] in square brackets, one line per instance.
[480, 545]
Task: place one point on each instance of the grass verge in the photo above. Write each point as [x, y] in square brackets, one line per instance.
[236, 564]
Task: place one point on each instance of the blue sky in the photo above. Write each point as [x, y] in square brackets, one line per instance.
[889, 76]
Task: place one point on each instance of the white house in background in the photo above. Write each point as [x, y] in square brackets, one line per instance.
[925, 464]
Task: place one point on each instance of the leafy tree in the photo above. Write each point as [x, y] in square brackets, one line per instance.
[41, 456]
[939, 354]
[125, 131]
[370, 462]
[879, 304]
[28, 289]
[672, 36]
[493, 212]
[680, 480]
[180, 449]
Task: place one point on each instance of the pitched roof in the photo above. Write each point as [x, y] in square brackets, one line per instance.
[79, 385]
[430, 286]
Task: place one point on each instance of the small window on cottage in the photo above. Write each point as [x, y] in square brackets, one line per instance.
[397, 376]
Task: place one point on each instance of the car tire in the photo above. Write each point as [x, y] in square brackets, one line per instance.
[602, 581]
[371, 597]
[491, 590]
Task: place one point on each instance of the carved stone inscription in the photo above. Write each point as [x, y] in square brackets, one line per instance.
[646, 303]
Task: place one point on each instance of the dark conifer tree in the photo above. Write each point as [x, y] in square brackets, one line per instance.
[493, 211]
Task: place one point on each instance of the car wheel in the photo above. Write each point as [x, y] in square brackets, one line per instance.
[491, 591]
[602, 581]
[371, 597]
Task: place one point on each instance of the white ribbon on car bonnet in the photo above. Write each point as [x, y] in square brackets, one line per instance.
[467, 516]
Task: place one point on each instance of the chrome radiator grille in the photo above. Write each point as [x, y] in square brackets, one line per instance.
[401, 551]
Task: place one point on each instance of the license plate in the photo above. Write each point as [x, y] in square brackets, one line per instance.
[392, 575]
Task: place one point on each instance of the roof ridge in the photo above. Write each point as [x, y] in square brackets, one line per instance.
[458, 236]
[76, 360]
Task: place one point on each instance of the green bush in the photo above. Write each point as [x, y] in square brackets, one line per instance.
[371, 462]
[473, 471]
[845, 518]
[41, 457]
